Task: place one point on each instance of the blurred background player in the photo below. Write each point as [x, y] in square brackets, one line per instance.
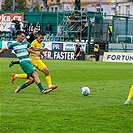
[130, 95]
[37, 62]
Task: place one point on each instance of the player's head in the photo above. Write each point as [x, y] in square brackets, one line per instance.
[20, 36]
[35, 30]
[40, 36]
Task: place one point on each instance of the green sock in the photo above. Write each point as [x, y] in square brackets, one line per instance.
[23, 86]
[40, 86]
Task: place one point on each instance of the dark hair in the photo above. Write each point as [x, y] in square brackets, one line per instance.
[41, 33]
[19, 32]
[36, 27]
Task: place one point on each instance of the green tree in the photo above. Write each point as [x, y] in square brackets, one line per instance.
[36, 7]
[7, 5]
[19, 5]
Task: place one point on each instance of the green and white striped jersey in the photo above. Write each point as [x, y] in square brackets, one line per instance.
[21, 50]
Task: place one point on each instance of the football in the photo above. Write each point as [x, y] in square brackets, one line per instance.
[85, 91]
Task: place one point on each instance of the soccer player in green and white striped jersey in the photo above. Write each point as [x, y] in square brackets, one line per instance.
[22, 50]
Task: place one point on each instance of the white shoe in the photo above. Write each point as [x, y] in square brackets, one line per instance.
[46, 91]
[127, 101]
[18, 89]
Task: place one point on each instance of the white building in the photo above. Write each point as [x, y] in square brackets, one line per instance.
[109, 7]
[122, 7]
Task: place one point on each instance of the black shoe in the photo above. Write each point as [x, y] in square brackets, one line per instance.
[11, 63]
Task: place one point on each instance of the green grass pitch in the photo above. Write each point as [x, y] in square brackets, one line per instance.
[66, 110]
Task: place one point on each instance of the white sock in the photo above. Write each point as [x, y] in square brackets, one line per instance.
[16, 75]
[50, 85]
[128, 100]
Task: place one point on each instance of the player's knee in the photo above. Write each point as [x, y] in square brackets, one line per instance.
[46, 71]
[34, 74]
[29, 81]
[36, 80]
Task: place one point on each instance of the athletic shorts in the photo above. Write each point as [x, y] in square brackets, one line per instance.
[27, 67]
[38, 64]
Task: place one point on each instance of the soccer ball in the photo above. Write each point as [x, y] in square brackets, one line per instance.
[85, 91]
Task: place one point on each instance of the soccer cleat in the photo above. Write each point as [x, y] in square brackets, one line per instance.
[127, 102]
[13, 78]
[46, 91]
[11, 63]
[52, 87]
[18, 89]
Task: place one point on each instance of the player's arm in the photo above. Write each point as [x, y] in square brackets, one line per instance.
[46, 57]
[3, 50]
[30, 50]
[41, 51]
[38, 49]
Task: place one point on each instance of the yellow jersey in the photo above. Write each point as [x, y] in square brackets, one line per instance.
[36, 44]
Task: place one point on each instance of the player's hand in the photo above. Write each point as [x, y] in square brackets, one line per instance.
[45, 48]
[38, 54]
[46, 57]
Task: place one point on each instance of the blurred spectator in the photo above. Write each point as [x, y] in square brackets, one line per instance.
[59, 30]
[25, 28]
[17, 25]
[53, 38]
[31, 27]
[31, 37]
[48, 38]
[12, 31]
[48, 28]
[38, 25]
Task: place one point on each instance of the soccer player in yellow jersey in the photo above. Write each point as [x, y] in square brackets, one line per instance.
[37, 62]
[130, 96]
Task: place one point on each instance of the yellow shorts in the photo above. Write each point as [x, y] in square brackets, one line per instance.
[38, 64]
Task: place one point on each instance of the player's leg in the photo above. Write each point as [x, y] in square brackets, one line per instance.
[27, 83]
[21, 76]
[39, 84]
[13, 62]
[29, 69]
[130, 96]
[42, 67]
[31, 80]
[48, 78]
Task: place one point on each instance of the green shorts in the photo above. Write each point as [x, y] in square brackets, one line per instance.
[27, 67]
